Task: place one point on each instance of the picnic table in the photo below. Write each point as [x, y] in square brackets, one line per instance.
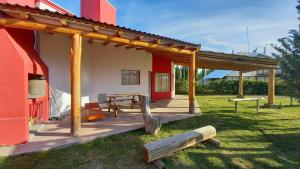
[115, 101]
[257, 99]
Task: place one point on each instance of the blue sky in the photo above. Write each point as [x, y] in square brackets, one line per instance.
[219, 25]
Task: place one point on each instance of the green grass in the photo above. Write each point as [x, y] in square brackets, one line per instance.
[270, 139]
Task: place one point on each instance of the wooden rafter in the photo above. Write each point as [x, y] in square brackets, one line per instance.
[33, 25]
[130, 47]
[119, 45]
[106, 43]
[96, 28]
[63, 22]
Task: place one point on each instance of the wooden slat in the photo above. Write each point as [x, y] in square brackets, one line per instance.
[75, 56]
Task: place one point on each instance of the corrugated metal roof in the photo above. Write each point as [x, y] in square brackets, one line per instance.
[86, 20]
[217, 74]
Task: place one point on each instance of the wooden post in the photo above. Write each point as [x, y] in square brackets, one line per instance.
[241, 85]
[192, 83]
[271, 87]
[75, 57]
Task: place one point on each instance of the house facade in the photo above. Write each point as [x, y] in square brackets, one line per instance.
[53, 62]
[35, 79]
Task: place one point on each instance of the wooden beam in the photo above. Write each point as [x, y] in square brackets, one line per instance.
[271, 87]
[120, 34]
[192, 83]
[170, 44]
[33, 25]
[119, 45]
[130, 47]
[106, 43]
[139, 38]
[157, 41]
[24, 15]
[75, 57]
[63, 22]
[91, 41]
[139, 49]
[95, 28]
[241, 85]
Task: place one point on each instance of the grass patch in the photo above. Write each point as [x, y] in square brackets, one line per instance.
[269, 139]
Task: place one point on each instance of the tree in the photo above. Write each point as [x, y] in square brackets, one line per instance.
[288, 53]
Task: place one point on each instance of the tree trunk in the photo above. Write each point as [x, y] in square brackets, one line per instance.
[152, 124]
[155, 150]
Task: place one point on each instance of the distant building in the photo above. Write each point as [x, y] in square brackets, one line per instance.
[261, 75]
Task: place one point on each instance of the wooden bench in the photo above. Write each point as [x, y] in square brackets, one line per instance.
[246, 99]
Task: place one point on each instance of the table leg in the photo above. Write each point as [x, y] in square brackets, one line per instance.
[257, 106]
[235, 106]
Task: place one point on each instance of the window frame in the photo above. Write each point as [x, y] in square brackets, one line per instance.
[131, 70]
[169, 82]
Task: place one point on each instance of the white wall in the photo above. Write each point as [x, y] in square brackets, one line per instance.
[101, 69]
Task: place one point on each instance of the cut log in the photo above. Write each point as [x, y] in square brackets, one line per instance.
[152, 124]
[155, 150]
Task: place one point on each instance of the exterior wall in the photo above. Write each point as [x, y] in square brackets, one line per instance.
[161, 65]
[17, 60]
[101, 69]
[98, 10]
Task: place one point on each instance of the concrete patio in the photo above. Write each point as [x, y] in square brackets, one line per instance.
[53, 135]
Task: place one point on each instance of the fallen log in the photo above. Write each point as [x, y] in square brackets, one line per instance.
[155, 150]
[152, 124]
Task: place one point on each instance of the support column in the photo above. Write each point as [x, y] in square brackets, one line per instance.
[241, 85]
[192, 83]
[271, 87]
[75, 58]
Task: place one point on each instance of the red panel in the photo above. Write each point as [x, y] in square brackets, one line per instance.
[17, 60]
[98, 10]
[160, 65]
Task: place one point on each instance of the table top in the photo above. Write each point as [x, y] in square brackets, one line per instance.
[247, 99]
[123, 95]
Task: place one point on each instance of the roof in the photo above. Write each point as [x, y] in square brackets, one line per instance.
[217, 74]
[180, 52]
[89, 21]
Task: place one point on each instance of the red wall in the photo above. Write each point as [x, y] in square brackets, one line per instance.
[30, 3]
[160, 65]
[98, 10]
[17, 60]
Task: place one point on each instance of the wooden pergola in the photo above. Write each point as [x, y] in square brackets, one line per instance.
[182, 53]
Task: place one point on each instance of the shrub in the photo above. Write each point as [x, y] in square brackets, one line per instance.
[229, 87]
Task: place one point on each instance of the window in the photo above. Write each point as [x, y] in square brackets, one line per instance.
[162, 82]
[130, 77]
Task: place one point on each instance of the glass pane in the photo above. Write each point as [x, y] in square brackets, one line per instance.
[130, 77]
[162, 82]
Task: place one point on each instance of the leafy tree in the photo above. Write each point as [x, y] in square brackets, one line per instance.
[288, 53]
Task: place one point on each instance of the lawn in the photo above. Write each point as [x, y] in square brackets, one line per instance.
[269, 139]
